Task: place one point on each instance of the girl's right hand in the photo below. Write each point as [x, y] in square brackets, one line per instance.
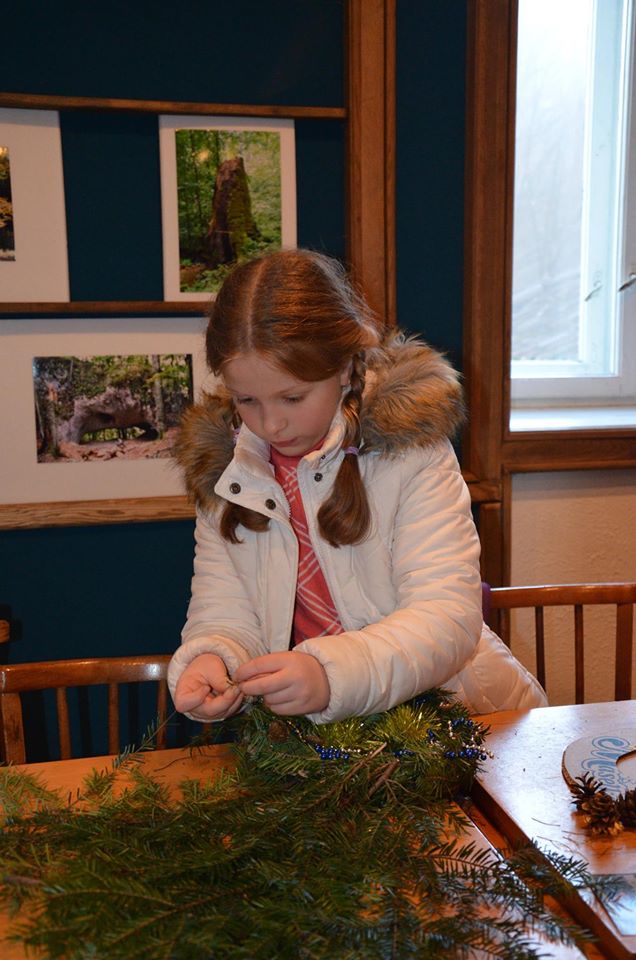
[203, 690]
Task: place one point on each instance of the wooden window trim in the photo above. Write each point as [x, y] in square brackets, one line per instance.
[491, 453]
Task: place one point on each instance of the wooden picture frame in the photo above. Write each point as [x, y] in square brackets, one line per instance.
[114, 477]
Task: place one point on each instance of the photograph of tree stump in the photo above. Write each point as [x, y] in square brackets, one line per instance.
[229, 201]
[109, 407]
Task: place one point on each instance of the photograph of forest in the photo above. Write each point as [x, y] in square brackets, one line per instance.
[109, 407]
[229, 201]
[7, 241]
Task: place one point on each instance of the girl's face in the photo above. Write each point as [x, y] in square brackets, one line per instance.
[292, 415]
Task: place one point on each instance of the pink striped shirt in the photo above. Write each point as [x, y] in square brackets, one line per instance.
[314, 612]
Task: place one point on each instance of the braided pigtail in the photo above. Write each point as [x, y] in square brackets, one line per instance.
[345, 516]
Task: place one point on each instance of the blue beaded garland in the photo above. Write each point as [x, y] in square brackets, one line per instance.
[466, 751]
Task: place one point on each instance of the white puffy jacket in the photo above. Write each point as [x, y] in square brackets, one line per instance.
[408, 597]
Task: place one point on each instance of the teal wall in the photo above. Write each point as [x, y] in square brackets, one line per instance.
[124, 588]
[431, 54]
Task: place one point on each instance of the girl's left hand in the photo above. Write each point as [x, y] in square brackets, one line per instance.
[290, 683]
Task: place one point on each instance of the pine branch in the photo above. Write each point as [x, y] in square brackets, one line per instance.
[325, 841]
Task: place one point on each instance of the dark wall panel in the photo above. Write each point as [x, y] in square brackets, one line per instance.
[243, 51]
[431, 53]
[113, 205]
[320, 150]
[98, 590]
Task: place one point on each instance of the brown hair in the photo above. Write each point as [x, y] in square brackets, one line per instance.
[298, 309]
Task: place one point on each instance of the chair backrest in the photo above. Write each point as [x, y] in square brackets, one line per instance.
[577, 596]
[60, 675]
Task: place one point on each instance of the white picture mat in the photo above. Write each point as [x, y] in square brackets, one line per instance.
[22, 478]
[168, 125]
[39, 272]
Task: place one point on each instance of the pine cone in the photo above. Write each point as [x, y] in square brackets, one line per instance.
[584, 788]
[601, 814]
[277, 732]
[626, 808]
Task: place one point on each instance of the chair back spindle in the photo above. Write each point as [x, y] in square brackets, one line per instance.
[539, 644]
[577, 596]
[60, 675]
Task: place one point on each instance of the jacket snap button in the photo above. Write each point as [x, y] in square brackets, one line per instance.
[270, 504]
[317, 477]
[235, 488]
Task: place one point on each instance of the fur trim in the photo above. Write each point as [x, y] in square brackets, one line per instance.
[205, 445]
[412, 398]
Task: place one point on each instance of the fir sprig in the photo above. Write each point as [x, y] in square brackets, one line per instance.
[325, 841]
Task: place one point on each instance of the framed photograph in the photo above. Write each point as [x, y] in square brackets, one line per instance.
[33, 247]
[228, 193]
[92, 409]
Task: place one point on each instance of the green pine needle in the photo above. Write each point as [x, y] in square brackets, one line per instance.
[325, 841]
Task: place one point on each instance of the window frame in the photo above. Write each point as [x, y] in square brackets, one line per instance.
[604, 374]
[491, 452]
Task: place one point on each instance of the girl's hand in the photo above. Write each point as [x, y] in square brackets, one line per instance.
[290, 683]
[204, 691]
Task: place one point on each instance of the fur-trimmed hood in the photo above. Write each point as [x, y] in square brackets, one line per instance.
[412, 398]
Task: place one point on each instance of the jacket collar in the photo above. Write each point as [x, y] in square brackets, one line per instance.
[250, 451]
[412, 398]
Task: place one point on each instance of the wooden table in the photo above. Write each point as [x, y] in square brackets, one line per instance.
[522, 793]
[173, 767]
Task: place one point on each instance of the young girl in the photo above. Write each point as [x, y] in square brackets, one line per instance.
[337, 563]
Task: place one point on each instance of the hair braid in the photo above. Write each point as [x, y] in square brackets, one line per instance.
[345, 516]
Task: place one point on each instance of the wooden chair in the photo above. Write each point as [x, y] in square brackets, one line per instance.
[622, 596]
[18, 678]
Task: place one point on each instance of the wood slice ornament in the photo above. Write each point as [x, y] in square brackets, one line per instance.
[599, 756]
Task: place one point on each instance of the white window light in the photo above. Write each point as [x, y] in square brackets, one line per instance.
[574, 246]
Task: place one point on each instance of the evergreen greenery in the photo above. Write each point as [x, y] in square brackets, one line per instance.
[333, 842]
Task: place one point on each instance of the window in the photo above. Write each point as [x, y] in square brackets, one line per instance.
[574, 238]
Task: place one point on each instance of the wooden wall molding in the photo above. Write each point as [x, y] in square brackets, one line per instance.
[553, 451]
[371, 151]
[107, 308]
[36, 101]
[79, 513]
[486, 230]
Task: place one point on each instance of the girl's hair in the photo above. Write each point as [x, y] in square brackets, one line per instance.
[298, 309]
